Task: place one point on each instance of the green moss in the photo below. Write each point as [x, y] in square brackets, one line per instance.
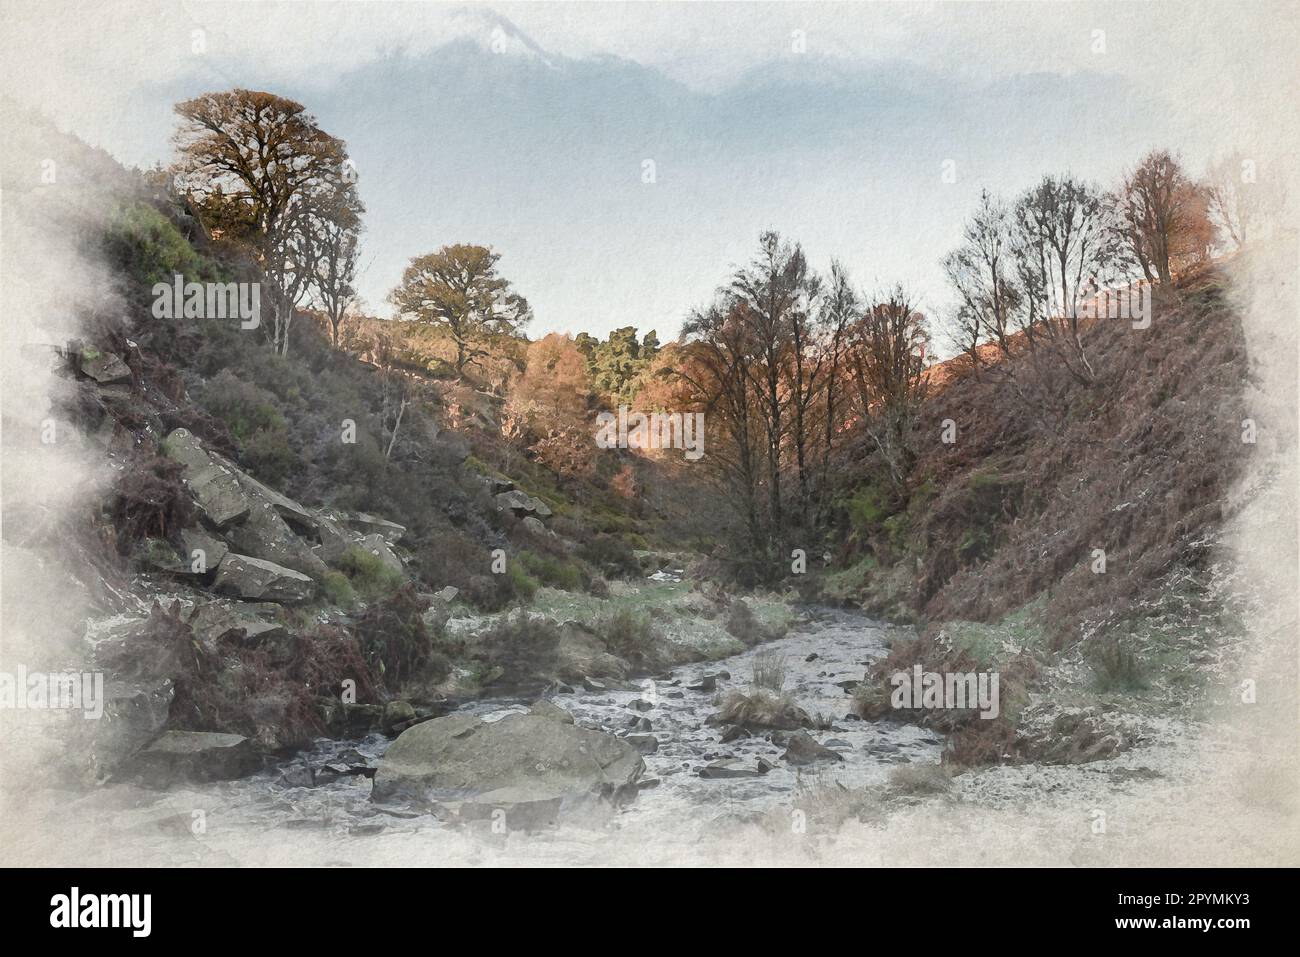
[551, 571]
[338, 590]
[368, 574]
[525, 586]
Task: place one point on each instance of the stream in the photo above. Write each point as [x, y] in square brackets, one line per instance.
[839, 643]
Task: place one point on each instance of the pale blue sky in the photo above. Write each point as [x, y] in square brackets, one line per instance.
[526, 127]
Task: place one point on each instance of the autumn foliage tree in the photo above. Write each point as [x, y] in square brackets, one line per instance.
[266, 178]
[1165, 216]
[459, 290]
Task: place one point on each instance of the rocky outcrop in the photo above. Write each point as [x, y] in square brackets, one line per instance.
[104, 367]
[522, 504]
[264, 534]
[527, 766]
[214, 486]
[246, 577]
[373, 525]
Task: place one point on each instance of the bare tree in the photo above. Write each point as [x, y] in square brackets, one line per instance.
[887, 358]
[336, 270]
[1164, 215]
[1066, 244]
[840, 307]
[767, 296]
[983, 274]
[718, 358]
[1241, 197]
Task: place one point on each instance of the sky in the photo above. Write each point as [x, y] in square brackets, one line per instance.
[532, 128]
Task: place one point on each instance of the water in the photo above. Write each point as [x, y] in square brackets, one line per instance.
[841, 644]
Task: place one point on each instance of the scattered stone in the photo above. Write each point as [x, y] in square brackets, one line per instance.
[641, 724]
[730, 768]
[447, 594]
[534, 525]
[812, 657]
[641, 704]
[397, 713]
[644, 743]
[764, 765]
[299, 777]
[706, 684]
[551, 711]
[801, 748]
[848, 686]
[732, 732]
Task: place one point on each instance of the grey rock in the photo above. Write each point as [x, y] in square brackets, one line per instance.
[728, 768]
[217, 618]
[264, 534]
[368, 524]
[211, 550]
[397, 713]
[552, 711]
[198, 756]
[521, 503]
[300, 777]
[802, 748]
[534, 525]
[214, 486]
[246, 577]
[732, 732]
[644, 743]
[104, 367]
[519, 758]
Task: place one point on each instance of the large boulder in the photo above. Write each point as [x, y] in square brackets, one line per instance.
[252, 578]
[264, 534]
[200, 545]
[135, 712]
[532, 762]
[214, 485]
[214, 620]
[104, 367]
[521, 503]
